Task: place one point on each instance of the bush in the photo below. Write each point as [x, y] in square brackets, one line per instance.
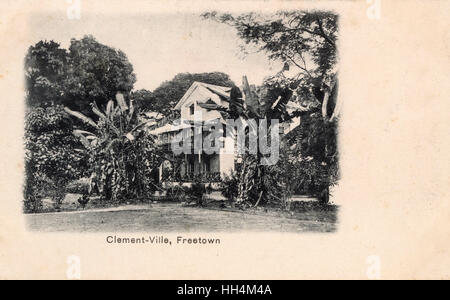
[51, 158]
[38, 188]
[176, 193]
[34, 193]
[196, 192]
[229, 187]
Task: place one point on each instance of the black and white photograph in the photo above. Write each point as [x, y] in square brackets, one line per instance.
[212, 121]
[224, 147]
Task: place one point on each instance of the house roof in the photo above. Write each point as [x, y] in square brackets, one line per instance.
[180, 124]
[221, 91]
[170, 128]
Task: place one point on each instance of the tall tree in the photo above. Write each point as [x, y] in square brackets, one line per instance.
[88, 72]
[144, 100]
[97, 72]
[305, 42]
[45, 70]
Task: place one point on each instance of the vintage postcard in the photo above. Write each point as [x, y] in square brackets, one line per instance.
[225, 140]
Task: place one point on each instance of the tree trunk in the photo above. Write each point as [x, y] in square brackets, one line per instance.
[241, 188]
[325, 105]
[326, 99]
[324, 195]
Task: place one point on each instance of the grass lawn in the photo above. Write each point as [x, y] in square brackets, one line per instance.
[168, 217]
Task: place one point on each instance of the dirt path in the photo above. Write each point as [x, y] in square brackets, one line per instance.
[167, 217]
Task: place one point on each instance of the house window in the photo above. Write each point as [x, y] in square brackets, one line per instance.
[191, 109]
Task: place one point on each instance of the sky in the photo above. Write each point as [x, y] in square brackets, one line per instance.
[161, 45]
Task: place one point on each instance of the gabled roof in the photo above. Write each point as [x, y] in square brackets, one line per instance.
[221, 91]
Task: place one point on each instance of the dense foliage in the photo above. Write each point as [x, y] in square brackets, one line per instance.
[52, 155]
[110, 147]
[254, 180]
[305, 42]
[229, 186]
[144, 100]
[88, 71]
[45, 71]
[84, 77]
[121, 154]
[197, 192]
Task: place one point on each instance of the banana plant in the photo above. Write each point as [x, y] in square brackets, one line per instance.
[251, 103]
[118, 147]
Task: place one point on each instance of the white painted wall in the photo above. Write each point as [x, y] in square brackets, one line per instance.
[226, 163]
[201, 95]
